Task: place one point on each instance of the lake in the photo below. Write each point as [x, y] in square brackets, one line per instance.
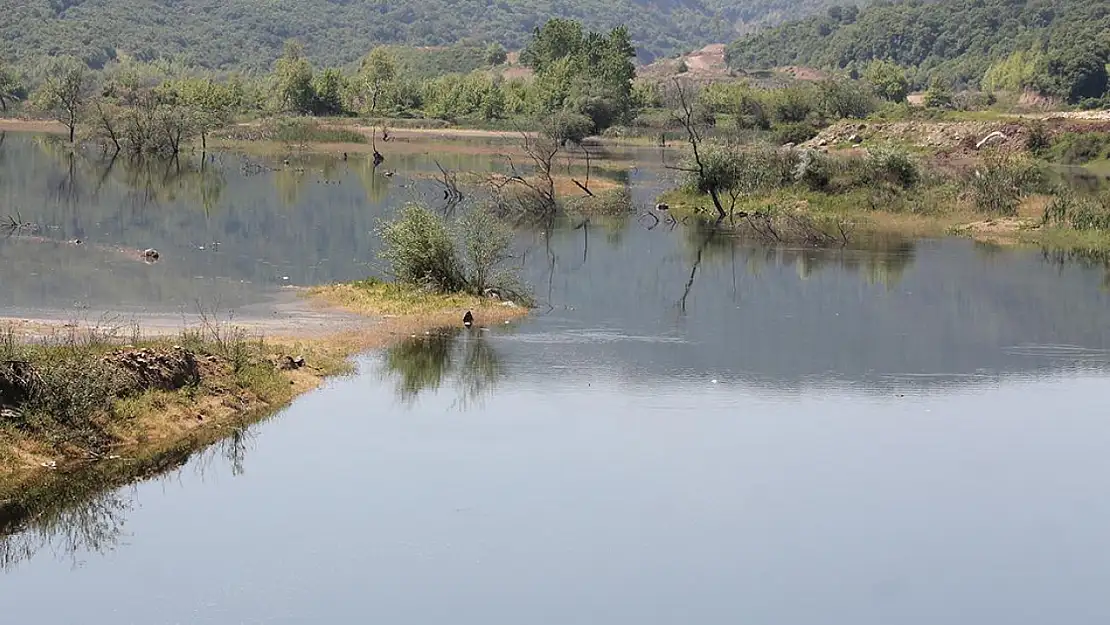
[689, 429]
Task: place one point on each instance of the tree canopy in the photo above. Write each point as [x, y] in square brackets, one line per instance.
[245, 34]
[1059, 48]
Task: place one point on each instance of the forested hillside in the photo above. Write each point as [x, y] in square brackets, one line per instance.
[1057, 47]
[246, 34]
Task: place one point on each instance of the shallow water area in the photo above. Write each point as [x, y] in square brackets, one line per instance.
[688, 429]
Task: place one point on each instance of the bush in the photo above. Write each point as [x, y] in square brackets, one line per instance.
[1038, 141]
[892, 167]
[564, 126]
[301, 131]
[419, 248]
[795, 133]
[1077, 148]
[794, 103]
[842, 99]
[814, 170]
[1081, 213]
[1001, 182]
[486, 244]
[424, 250]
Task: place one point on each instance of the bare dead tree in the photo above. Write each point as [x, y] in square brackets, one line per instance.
[585, 187]
[452, 196]
[686, 116]
[538, 185]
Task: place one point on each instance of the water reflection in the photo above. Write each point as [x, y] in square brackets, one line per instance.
[74, 515]
[464, 359]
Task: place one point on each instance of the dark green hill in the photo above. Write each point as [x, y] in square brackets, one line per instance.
[248, 34]
[1060, 43]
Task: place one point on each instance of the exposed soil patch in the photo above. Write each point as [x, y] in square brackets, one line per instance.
[162, 369]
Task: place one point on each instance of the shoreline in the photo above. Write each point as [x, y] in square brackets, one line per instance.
[160, 425]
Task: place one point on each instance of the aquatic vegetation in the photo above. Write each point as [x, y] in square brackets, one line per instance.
[466, 256]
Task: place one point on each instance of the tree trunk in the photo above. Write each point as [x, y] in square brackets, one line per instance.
[717, 204]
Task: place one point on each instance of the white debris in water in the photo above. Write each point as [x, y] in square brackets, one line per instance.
[713, 382]
[285, 277]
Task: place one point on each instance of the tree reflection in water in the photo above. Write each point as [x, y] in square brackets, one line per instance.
[85, 512]
[463, 358]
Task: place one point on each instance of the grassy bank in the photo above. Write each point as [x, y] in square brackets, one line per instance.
[827, 198]
[108, 405]
[80, 396]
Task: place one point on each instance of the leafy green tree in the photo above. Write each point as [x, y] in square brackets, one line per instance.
[66, 89]
[588, 73]
[11, 88]
[495, 54]
[209, 104]
[293, 80]
[328, 88]
[888, 80]
[556, 39]
[939, 95]
[1073, 74]
[842, 99]
[376, 75]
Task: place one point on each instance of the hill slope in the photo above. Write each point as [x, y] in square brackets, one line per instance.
[250, 33]
[955, 39]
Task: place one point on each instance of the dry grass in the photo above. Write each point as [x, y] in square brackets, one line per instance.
[239, 383]
[416, 305]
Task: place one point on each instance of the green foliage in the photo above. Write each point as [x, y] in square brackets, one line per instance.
[797, 132]
[888, 80]
[939, 95]
[65, 90]
[1058, 48]
[12, 89]
[1001, 181]
[486, 244]
[377, 75]
[1038, 141]
[496, 54]
[1078, 148]
[732, 169]
[748, 107]
[305, 131]
[460, 96]
[328, 88]
[587, 73]
[567, 127]
[1014, 73]
[421, 251]
[245, 34]
[795, 103]
[1074, 74]
[293, 80]
[892, 167]
[844, 99]
[1069, 209]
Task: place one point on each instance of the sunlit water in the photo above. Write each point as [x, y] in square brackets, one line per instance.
[915, 433]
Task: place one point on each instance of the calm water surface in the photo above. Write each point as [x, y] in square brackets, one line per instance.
[689, 430]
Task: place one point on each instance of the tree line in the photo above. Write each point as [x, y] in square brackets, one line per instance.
[582, 76]
[1056, 48]
[246, 35]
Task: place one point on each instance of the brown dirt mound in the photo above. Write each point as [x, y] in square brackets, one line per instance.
[16, 380]
[161, 369]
